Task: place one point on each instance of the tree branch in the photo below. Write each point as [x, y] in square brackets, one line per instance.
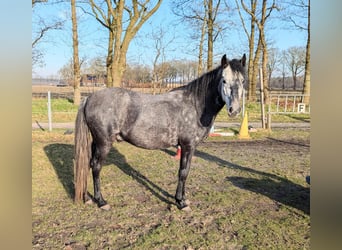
[96, 11]
[241, 18]
[55, 26]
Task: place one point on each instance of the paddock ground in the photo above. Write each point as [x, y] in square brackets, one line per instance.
[244, 195]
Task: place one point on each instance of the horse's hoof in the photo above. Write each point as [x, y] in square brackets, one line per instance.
[105, 207]
[186, 209]
[89, 202]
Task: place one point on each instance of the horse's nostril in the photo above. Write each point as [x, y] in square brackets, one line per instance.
[230, 110]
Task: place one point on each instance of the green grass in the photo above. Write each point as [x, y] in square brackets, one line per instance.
[244, 195]
[62, 110]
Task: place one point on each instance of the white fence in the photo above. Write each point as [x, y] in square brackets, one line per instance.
[287, 104]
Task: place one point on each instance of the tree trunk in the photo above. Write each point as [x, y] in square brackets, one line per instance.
[210, 35]
[111, 17]
[119, 62]
[200, 50]
[255, 72]
[109, 61]
[253, 61]
[307, 83]
[76, 62]
[136, 20]
[117, 73]
[251, 69]
[264, 68]
[264, 50]
[306, 88]
[200, 59]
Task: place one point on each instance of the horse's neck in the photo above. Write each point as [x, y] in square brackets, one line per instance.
[213, 105]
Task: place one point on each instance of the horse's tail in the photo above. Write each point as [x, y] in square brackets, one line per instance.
[82, 154]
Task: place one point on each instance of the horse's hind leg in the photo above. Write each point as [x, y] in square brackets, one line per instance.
[99, 153]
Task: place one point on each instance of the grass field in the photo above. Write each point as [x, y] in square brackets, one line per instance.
[244, 195]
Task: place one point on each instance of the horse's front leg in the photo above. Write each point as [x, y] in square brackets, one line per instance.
[185, 161]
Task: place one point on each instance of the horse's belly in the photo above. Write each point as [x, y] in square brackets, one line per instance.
[153, 138]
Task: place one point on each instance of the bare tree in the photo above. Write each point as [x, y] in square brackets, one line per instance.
[253, 57]
[273, 61]
[96, 66]
[201, 42]
[42, 27]
[203, 17]
[283, 67]
[66, 72]
[299, 15]
[307, 76]
[137, 74]
[121, 31]
[295, 61]
[76, 61]
[195, 15]
[160, 43]
[212, 14]
[260, 21]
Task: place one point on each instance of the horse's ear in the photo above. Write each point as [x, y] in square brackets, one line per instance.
[243, 60]
[224, 61]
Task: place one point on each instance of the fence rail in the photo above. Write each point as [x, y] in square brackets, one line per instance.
[288, 104]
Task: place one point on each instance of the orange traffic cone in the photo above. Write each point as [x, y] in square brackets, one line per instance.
[178, 153]
[243, 134]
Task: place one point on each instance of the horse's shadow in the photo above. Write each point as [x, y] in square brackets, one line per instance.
[61, 157]
[282, 191]
[119, 160]
[273, 186]
[270, 185]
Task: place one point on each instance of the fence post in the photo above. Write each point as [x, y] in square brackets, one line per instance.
[49, 111]
[243, 102]
[262, 99]
[269, 113]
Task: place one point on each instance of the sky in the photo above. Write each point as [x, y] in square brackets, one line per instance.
[57, 44]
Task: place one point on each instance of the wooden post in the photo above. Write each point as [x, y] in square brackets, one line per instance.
[268, 124]
[49, 111]
[262, 99]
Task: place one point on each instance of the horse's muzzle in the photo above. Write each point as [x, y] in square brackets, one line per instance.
[233, 113]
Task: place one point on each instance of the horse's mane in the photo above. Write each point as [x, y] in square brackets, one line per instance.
[198, 88]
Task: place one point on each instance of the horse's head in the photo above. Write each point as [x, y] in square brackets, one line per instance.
[232, 83]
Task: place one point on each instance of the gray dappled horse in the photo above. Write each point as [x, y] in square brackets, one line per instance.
[181, 117]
